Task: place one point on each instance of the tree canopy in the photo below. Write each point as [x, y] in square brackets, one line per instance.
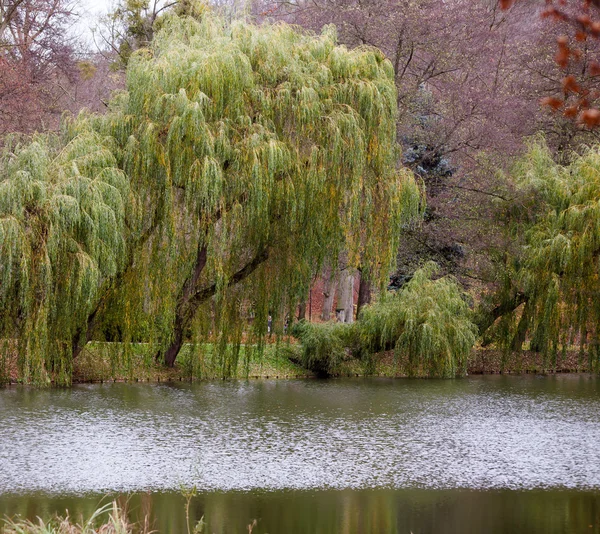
[553, 275]
[235, 162]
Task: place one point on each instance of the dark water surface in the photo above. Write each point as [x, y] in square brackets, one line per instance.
[483, 454]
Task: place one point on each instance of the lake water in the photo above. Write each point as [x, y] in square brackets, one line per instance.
[482, 454]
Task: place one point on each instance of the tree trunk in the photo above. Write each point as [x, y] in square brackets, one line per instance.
[192, 296]
[302, 311]
[182, 311]
[364, 293]
[346, 297]
[76, 345]
[519, 338]
[329, 286]
[176, 344]
[487, 319]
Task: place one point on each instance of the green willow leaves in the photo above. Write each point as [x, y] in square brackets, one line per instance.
[62, 222]
[237, 160]
[556, 270]
[428, 322]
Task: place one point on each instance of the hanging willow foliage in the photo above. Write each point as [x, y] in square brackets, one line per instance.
[428, 321]
[62, 227]
[237, 159]
[556, 271]
[324, 345]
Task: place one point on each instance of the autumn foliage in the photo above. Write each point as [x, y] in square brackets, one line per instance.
[580, 94]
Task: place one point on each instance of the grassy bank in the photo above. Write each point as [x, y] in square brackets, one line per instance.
[489, 361]
[481, 361]
[106, 362]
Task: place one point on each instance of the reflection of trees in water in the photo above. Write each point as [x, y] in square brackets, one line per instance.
[347, 511]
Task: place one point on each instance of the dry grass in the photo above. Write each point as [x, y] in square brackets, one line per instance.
[116, 522]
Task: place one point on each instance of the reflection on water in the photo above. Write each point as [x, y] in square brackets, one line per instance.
[348, 512]
[290, 452]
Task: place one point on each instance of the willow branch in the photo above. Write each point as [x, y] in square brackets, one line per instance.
[206, 293]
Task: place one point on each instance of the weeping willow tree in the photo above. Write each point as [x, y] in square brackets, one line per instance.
[428, 322]
[235, 162]
[62, 227]
[554, 277]
[283, 147]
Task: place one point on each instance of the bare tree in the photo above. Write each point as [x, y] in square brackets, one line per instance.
[37, 61]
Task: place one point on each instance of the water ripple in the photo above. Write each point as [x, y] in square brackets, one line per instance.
[480, 433]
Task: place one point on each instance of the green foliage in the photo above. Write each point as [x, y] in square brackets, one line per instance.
[281, 141]
[428, 321]
[62, 227]
[262, 146]
[323, 345]
[556, 268]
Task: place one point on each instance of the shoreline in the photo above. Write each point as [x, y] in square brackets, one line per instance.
[101, 363]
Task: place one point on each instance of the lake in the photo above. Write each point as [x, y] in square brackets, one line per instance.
[480, 454]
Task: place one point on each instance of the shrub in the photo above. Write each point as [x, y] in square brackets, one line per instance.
[323, 345]
[428, 322]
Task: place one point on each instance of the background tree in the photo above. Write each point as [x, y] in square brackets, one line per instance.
[37, 62]
[553, 284]
[131, 25]
[470, 78]
[445, 76]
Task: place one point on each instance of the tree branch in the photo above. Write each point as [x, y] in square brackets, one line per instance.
[206, 293]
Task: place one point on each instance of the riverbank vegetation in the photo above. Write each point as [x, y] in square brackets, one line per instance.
[115, 523]
[427, 321]
[107, 519]
[209, 192]
[186, 222]
[104, 363]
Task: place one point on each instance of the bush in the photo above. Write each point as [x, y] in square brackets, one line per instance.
[323, 345]
[428, 322]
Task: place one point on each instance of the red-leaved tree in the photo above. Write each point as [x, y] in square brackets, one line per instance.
[578, 25]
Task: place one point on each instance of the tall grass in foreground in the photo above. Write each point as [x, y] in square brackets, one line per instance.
[116, 523]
